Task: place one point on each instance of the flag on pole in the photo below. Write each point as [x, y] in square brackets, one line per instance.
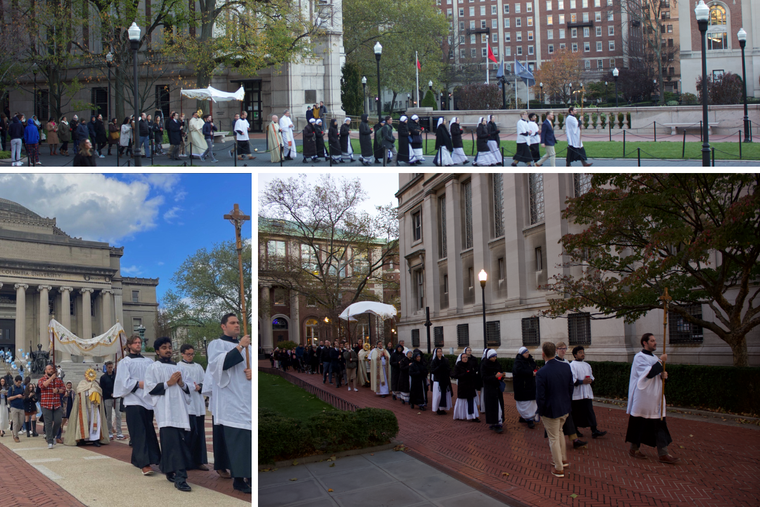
[419, 66]
[524, 73]
[491, 55]
[500, 73]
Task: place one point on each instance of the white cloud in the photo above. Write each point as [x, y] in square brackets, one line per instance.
[90, 206]
[172, 214]
[131, 270]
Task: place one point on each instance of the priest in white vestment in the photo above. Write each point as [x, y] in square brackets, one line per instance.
[380, 376]
[88, 416]
[364, 364]
[646, 403]
[228, 379]
[130, 386]
[196, 135]
[575, 149]
[170, 395]
[192, 374]
[286, 127]
[583, 395]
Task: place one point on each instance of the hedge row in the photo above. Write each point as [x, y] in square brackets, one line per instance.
[282, 438]
[719, 388]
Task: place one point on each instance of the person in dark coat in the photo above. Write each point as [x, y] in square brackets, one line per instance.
[466, 374]
[85, 157]
[440, 374]
[403, 139]
[319, 138]
[490, 371]
[92, 131]
[484, 156]
[333, 141]
[346, 150]
[174, 127]
[493, 139]
[82, 132]
[378, 146]
[389, 142]
[396, 358]
[101, 135]
[554, 394]
[418, 389]
[443, 144]
[524, 381]
[310, 142]
[404, 384]
[114, 131]
[548, 140]
[365, 141]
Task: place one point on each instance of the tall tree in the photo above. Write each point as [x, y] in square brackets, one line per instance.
[560, 76]
[351, 94]
[696, 234]
[342, 250]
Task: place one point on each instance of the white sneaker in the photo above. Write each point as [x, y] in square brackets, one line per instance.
[349, 389]
[355, 389]
[50, 446]
[102, 156]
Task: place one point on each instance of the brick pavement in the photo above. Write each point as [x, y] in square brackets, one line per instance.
[720, 463]
[22, 485]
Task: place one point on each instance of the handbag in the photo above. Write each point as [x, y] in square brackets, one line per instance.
[502, 385]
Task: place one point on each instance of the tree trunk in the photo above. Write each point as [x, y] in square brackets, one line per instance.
[739, 348]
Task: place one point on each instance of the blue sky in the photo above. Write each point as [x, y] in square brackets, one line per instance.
[159, 219]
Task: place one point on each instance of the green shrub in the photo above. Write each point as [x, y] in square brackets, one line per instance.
[672, 103]
[628, 119]
[688, 98]
[282, 438]
[286, 345]
[603, 120]
[620, 119]
[5, 155]
[429, 100]
[561, 120]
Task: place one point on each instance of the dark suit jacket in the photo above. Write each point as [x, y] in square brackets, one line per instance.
[554, 389]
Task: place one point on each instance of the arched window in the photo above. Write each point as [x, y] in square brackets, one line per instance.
[279, 324]
[312, 331]
[717, 34]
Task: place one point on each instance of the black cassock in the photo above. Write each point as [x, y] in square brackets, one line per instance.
[403, 142]
[396, 358]
[333, 139]
[403, 377]
[418, 391]
[456, 141]
[583, 413]
[378, 146]
[345, 137]
[365, 137]
[491, 391]
[319, 137]
[309, 142]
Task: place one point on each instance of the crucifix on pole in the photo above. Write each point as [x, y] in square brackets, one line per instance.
[236, 218]
[665, 298]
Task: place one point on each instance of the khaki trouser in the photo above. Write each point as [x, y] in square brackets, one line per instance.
[112, 407]
[17, 419]
[556, 439]
[550, 154]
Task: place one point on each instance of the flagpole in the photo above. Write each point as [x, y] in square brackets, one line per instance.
[527, 88]
[417, 70]
[488, 81]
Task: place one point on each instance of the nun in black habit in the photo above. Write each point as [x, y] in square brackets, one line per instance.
[319, 136]
[403, 140]
[484, 156]
[440, 374]
[418, 388]
[404, 381]
[378, 146]
[490, 371]
[365, 141]
[347, 151]
[466, 374]
[333, 140]
[309, 142]
[443, 145]
[396, 358]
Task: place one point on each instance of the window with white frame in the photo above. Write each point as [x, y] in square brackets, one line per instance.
[530, 36]
[495, 48]
[518, 37]
[585, 17]
[461, 15]
[519, 50]
[598, 17]
[536, 197]
[472, 39]
[584, 3]
[599, 45]
[562, 46]
[417, 225]
[587, 65]
[493, 9]
[528, 7]
[600, 64]
[506, 8]
[573, 18]
[507, 37]
[575, 47]
[586, 49]
[572, 4]
[612, 63]
[560, 5]
[586, 31]
[597, 3]
[550, 34]
[482, 23]
[610, 16]
[506, 23]
[484, 38]
[530, 20]
[551, 49]
[495, 25]
[473, 52]
[462, 54]
[530, 50]
[461, 26]
[611, 31]
[449, 13]
[483, 52]
[549, 20]
[548, 5]
[472, 11]
[561, 33]
[574, 33]
[518, 22]
[495, 39]
[472, 24]
[598, 31]
[612, 45]
[508, 51]
[517, 8]
[482, 10]
[461, 39]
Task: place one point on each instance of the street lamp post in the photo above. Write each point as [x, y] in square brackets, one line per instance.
[109, 62]
[702, 13]
[742, 36]
[541, 85]
[134, 40]
[364, 91]
[606, 93]
[615, 74]
[34, 72]
[483, 277]
[378, 53]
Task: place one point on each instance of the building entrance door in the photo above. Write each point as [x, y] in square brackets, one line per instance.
[7, 335]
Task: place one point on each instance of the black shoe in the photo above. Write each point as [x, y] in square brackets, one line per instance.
[242, 486]
[96, 443]
[531, 424]
[170, 477]
[521, 420]
[598, 434]
[475, 420]
[578, 433]
[394, 397]
[422, 409]
[183, 486]
[577, 443]
[411, 405]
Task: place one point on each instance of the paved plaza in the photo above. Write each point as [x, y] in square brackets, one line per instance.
[720, 464]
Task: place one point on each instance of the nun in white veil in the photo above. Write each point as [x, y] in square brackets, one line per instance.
[458, 156]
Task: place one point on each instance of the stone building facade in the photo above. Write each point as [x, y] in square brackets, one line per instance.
[453, 225]
[45, 273]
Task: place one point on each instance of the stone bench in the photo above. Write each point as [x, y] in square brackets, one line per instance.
[686, 126]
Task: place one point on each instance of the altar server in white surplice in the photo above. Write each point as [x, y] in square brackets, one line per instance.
[228, 379]
[170, 395]
[193, 374]
[129, 385]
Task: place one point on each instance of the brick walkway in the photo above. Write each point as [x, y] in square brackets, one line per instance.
[720, 461]
[22, 485]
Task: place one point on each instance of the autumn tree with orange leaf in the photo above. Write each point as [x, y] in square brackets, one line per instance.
[557, 74]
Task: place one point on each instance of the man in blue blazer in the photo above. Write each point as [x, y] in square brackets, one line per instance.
[554, 395]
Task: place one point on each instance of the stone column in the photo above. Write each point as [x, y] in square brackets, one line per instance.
[86, 314]
[105, 306]
[295, 317]
[65, 315]
[118, 311]
[44, 291]
[266, 320]
[20, 316]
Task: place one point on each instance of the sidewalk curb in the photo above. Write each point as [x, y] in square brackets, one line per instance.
[322, 457]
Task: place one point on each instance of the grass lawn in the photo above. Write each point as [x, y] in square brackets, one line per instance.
[276, 393]
[614, 149]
